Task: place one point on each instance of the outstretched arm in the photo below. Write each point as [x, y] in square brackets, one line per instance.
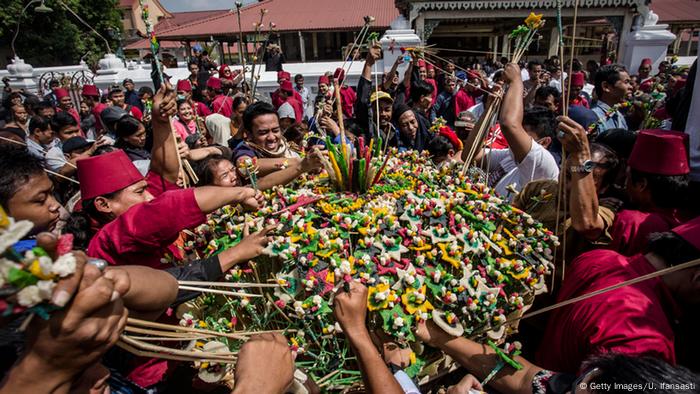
[350, 309]
[164, 154]
[584, 199]
[480, 359]
[512, 115]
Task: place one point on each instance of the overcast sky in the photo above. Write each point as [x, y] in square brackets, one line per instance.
[199, 5]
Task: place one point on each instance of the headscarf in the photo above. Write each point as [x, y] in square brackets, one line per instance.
[219, 127]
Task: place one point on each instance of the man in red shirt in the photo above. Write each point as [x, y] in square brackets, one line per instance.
[287, 94]
[116, 96]
[347, 94]
[65, 104]
[634, 320]
[277, 101]
[184, 91]
[221, 104]
[657, 182]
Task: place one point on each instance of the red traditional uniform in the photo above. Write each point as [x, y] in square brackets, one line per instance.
[142, 234]
[657, 152]
[631, 320]
[297, 105]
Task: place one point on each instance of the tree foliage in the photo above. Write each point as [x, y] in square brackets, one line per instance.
[58, 38]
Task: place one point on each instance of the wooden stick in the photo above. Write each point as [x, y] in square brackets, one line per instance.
[176, 352]
[168, 334]
[652, 275]
[169, 353]
[61, 176]
[227, 284]
[10, 140]
[172, 327]
[214, 291]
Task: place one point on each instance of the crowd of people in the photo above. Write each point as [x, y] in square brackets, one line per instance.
[597, 152]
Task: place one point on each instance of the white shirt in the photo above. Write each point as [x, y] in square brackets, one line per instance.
[537, 164]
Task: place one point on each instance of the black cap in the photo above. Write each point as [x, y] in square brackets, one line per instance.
[127, 80]
[76, 143]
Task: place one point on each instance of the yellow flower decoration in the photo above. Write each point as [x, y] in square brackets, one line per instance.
[372, 303]
[412, 304]
[534, 21]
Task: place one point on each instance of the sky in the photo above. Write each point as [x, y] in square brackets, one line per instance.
[199, 5]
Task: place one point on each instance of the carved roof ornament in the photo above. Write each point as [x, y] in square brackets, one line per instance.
[519, 4]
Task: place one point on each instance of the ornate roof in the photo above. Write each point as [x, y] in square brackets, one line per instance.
[418, 6]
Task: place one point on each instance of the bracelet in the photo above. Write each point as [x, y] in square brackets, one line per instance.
[284, 165]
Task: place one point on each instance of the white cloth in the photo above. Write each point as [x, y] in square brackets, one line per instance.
[286, 111]
[55, 159]
[219, 127]
[692, 127]
[555, 84]
[538, 164]
[524, 74]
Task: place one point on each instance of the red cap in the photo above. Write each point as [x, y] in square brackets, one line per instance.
[324, 79]
[452, 136]
[214, 83]
[90, 91]
[184, 85]
[61, 93]
[660, 152]
[104, 174]
[690, 232]
[578, 79]
[283, 75]
[430, 66]
[646, 62]
[421, 63]
[286, 86]
[339, 74]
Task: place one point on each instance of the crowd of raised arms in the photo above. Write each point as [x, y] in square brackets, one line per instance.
[127, 172]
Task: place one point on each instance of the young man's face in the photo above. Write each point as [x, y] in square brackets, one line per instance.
[118, 99]
[65, 103]
[385, 113]
[621, 89]
[47, 112]
[266, 132]
[44, 137]
[34, 201]
[125, 199]
[19, 113]
[550, 103]
[535, 72]
[194, 70]
[129, 86]
[68, 132]
[299, 82]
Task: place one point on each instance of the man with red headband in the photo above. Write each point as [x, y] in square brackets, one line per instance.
[277, 101]
[286, 93]
[139, 218]
[184, 92]
[222, 104]
[576, 84]
[91, 97]
[347, 94]
[657, 183]
[635, 320]
[65, 104]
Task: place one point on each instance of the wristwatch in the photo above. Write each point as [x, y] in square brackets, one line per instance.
[585, 168]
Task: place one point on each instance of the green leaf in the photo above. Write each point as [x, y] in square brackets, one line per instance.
[21, 279]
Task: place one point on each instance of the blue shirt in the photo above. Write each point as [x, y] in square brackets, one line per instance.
[614, 121]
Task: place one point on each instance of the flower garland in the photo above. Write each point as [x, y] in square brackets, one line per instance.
[27, 279]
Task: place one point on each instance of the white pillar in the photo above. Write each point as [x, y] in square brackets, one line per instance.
[623, 37]
[314, 44]
[22, 75]
[553, 43]
[649, 41]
